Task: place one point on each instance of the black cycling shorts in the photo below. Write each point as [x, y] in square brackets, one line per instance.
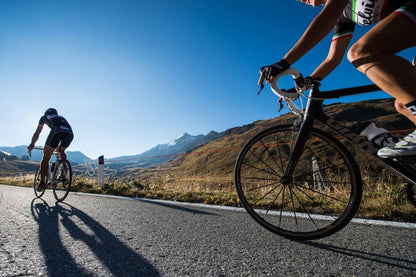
[54, 139]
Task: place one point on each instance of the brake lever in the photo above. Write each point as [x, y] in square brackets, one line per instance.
[280, 104]
[261, 88]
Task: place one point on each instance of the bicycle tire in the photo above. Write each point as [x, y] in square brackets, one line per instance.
[323, 195]
[410, 193]
[36, 182]
[62, 180]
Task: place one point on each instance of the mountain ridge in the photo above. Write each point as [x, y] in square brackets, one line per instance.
[162, 153]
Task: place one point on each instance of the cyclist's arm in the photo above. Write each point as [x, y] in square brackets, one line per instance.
[36, 135]
[336, 53]
[317, 30]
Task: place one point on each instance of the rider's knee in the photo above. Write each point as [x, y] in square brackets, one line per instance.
[356, 53]
[399, 106]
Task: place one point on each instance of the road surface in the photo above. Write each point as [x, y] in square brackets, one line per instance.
[91, 235]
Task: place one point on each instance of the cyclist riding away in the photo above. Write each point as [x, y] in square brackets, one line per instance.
[374, 54]
[60, 135]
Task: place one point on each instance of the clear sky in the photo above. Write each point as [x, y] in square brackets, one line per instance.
[129, 75]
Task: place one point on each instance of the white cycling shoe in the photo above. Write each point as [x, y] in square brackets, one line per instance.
[404, 148]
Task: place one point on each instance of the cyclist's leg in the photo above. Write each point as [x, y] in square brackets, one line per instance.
[51, 143]
[375, 55]
[47, 153]
[66, 140]
[401, 108]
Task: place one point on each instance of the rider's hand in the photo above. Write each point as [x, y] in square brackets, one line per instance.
[30, 148]
[268, 72]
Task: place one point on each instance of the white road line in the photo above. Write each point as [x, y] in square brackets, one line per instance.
[235, 209]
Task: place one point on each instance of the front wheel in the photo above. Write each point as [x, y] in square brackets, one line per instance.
[411, 193]
[62, 180]
[36, 182]
[318, 199]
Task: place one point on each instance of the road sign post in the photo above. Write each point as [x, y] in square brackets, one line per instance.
[101, 171]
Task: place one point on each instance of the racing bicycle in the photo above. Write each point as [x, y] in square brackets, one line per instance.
[59, 176]
[298, 180]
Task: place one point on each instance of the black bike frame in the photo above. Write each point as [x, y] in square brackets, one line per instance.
[314, 111]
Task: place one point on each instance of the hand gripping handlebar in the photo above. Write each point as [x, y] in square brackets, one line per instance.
[292, 94]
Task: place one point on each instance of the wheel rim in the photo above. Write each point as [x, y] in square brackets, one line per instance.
[36, 182]
[62, 181]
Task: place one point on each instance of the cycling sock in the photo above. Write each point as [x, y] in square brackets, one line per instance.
[412, 107]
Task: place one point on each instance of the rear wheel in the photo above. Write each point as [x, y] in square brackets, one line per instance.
[319, 199]
[36, 183]
[62, 177]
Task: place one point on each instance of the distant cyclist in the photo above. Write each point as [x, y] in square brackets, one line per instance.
[60, 135]
[374, 54]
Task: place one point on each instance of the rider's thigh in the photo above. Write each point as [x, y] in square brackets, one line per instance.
[47, 153]
[393, 34]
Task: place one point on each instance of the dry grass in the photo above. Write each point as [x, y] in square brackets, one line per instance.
[383, 194]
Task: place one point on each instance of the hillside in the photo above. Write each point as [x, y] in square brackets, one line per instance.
[21, 152]
[165, 152]
[222, 153]
[215, 160]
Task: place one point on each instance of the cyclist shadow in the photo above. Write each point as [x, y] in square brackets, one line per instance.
[368, 256]
[117, 257]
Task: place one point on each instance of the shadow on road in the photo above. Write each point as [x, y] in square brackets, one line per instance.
[119, 259]
[177, 207]
[373, 257]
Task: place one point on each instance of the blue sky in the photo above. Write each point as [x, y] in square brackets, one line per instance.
[129, 75]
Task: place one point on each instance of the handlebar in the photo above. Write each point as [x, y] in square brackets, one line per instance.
[56, 153]
[289, 95]
[30, 150]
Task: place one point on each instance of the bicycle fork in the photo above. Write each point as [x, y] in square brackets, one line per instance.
[297, 150]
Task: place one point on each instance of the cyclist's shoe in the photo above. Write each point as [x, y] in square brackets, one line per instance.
[402, 149]
[385, 140]
[41, 186]
[411, 137]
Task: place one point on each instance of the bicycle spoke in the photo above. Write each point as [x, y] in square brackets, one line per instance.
[260, 169]
[322, 194]
[263, 186]
[274, 200]
[260, 160]
[258, 200]
[293, 209]
[317, 204]
[304, 208]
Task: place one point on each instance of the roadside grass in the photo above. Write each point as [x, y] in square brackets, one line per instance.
[384, 194]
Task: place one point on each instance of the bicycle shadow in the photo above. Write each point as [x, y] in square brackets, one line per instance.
[373, 257]
[118, 258]
[177, 207]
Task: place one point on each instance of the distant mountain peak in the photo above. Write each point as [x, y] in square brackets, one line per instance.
[184, 135]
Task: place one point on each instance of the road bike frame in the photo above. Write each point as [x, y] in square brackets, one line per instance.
[51, 165]
[314, 111]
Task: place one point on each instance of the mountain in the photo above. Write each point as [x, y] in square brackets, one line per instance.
[162, 153]
[7, 156]
[213, 162]
[75, 157]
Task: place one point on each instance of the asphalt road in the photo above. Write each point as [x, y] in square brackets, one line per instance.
[103, 236]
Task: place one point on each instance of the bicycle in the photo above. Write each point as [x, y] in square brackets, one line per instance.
[59, 175]
[298, 180]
